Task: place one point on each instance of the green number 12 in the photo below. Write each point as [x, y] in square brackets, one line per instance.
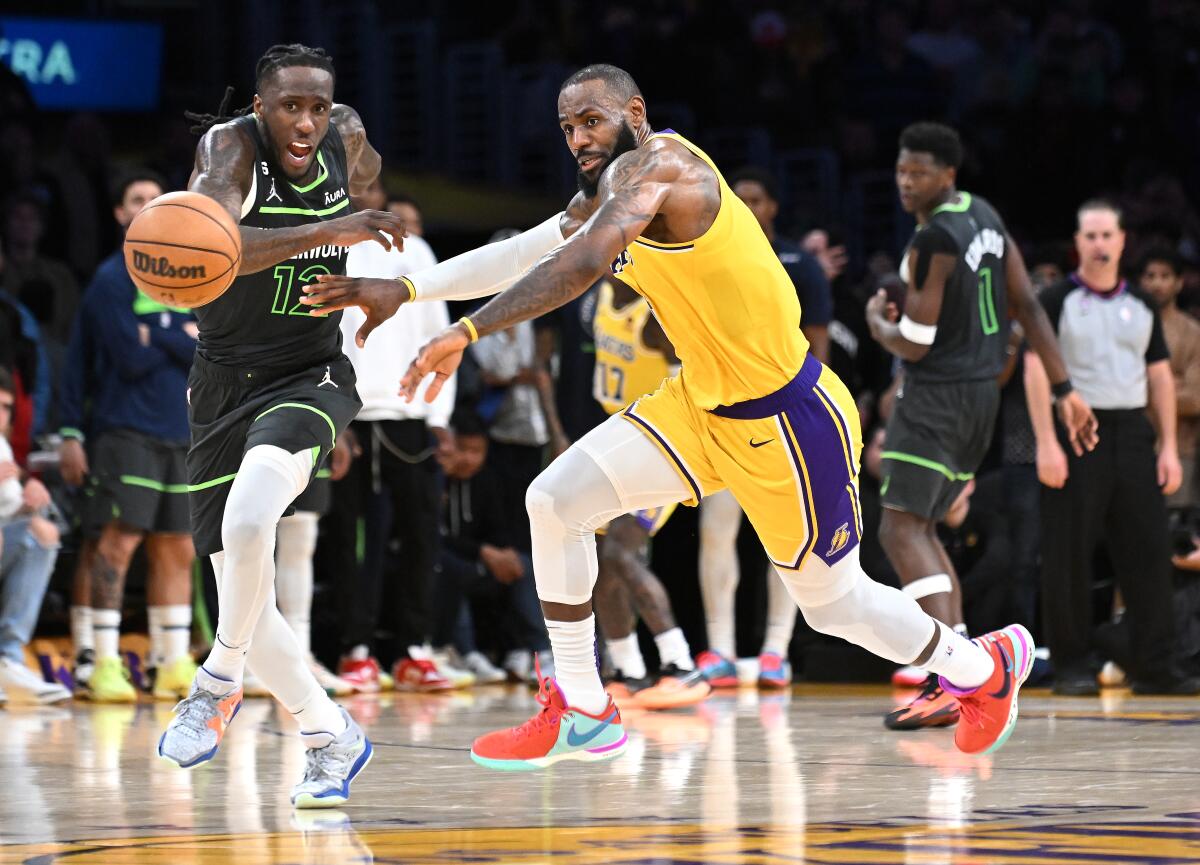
[285, 280]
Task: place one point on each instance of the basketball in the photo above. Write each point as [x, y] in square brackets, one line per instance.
[183, 249]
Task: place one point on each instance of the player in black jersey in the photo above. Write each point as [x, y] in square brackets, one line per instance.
[965, 277]
[270, 391]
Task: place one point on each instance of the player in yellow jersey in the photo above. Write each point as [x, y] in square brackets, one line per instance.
[751, 411]
[633, 357]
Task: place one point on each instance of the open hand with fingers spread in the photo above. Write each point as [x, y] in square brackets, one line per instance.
[377, 298]
[440, 356]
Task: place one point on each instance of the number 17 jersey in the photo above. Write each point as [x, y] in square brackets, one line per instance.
[972, 327]
[259, 321]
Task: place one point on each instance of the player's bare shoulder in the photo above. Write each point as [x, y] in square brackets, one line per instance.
[224, 165]
[689, 189]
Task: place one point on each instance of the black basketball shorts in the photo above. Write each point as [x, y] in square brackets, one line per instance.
[136, 480]
[937, 436]
[233, 409]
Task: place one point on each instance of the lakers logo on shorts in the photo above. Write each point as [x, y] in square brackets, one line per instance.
[840, 537]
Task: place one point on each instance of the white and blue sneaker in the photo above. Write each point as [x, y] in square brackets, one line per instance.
[331, 764]
[200, 721]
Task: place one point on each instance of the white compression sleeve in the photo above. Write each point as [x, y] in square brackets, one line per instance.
[489, 269]
[612, 470]
[720, 520]
[296, 541]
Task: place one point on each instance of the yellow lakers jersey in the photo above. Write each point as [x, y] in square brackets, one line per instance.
[724, 300]
[625, 368]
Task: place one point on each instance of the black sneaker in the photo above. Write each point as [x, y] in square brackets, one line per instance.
[1172, 687]
[1076, 685]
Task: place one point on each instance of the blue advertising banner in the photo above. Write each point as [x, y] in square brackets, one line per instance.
[74, 64]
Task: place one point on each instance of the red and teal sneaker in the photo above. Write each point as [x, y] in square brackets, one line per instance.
[989, 712]
[558, 732]
[719, 670]
[774, 671]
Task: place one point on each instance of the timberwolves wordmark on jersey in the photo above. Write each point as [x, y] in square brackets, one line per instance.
[972, 325]
[259, 321]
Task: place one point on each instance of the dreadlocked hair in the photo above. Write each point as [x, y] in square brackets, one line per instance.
[276, 57]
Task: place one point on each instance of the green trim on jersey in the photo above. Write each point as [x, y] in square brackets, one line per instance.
[328, 419]
[927, 464]
[324, 473]
[321, 175]
[203, 485]
[961, 207]
[150, 484]
[308, 211]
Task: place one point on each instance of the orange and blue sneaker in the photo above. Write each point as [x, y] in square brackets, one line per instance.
[558, 732]
[200, 721]
[774, 671]
[719, 670]
[933, 707]
[674, 689]
[989, 712]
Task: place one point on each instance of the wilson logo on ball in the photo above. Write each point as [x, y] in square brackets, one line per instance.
[161, 266]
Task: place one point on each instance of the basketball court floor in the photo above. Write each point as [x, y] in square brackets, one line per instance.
[808, 776]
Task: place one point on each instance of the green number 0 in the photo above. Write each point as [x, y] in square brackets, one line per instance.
[987, 303]
[285, 278]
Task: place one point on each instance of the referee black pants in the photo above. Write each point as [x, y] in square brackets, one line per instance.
[1112, 497]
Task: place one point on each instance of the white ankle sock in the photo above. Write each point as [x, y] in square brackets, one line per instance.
[963, 663]
[226, 661]
[175, 622]
[626, 656]
[106, 628]
[673, 649]
[319, 714]
[81, 629]
[574, 645]
[157, 653]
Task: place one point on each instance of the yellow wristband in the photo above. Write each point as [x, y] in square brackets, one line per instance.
[472, 333]
[412, 289]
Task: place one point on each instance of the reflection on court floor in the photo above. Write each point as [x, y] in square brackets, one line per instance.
[810, 776]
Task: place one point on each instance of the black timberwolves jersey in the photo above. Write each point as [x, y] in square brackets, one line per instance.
[259, 321]
[972, 328]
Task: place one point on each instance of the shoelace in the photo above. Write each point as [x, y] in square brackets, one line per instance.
[194, 712]
[548, 715]
[329, 763]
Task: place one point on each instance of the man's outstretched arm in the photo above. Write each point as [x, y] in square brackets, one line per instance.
[631, 193]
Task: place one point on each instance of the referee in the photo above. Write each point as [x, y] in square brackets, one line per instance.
[1112, 341]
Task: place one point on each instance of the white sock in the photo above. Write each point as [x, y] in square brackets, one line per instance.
[319, 714]
[81, 629]
[296, 541]
[158, 651]
[781, 616]
[175, 632]
[106, 628]
[360, 652]
[626, 657]
[963, 663]
[961, 629]
[574, 645]
[673, 649]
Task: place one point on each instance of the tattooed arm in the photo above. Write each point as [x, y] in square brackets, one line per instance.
[225, 166]
[362, 160]
[631, 193]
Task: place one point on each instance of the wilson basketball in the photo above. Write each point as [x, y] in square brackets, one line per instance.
[183, 249]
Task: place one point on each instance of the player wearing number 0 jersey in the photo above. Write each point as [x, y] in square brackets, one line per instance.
[634, 357]
[752, 411]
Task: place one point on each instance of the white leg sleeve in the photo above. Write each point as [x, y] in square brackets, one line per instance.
[781, 615]
[612, 470]
[296, 541]
[844, 602]
[720, 520]
[275, 656]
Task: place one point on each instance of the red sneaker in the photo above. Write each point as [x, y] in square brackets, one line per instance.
[989, 712]
[933, 707]
[719, 670]
[419, 675]
[363, 675]
[557, 732]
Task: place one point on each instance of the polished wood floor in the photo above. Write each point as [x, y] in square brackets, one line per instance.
[809, 776]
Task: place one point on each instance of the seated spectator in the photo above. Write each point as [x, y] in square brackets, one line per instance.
[23, 354]
[975, 535]
[45, 286]
[27, 553]
[479, 561]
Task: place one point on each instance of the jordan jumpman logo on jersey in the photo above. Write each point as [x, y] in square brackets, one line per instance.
[273, 193]
[327, 379]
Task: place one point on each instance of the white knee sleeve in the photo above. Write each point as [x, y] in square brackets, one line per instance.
[844, 602]
[612, 470]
